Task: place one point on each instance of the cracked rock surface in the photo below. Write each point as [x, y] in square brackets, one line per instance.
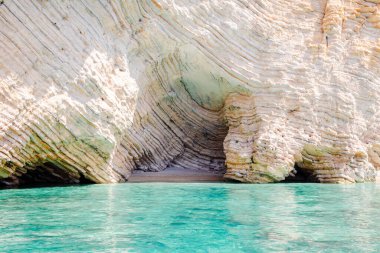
[259, 90]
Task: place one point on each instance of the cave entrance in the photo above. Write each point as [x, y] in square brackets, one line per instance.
[196, 156]
[300, 175]
[186, 143]
[44, 174]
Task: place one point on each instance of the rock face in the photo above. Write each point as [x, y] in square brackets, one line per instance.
[92, 90]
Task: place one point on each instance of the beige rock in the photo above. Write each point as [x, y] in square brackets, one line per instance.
[92, 90]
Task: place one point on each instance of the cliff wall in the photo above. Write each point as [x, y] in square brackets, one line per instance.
[92, 90]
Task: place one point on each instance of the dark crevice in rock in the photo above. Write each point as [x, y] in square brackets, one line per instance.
[300, 175]
[84, 180]
[232, 180]
[45, 174]
[9, 182]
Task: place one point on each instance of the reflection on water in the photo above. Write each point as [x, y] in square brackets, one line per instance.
[167, 217]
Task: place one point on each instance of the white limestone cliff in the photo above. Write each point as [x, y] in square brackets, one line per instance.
[92, 90]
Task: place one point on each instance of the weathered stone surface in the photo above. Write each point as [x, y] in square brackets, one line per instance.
[91, 90]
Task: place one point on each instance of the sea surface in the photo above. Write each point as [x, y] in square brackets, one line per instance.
[191, 217]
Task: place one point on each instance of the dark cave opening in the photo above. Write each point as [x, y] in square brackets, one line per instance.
[44, 175]
[300, 175]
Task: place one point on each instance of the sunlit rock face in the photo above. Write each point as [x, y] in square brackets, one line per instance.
[92, 90]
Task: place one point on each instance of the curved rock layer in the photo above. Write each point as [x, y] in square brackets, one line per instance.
[92, 90]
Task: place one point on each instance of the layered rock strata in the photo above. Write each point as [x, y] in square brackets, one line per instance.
[92, 90]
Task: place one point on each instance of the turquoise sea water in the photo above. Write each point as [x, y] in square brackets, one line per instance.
[191, 217]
